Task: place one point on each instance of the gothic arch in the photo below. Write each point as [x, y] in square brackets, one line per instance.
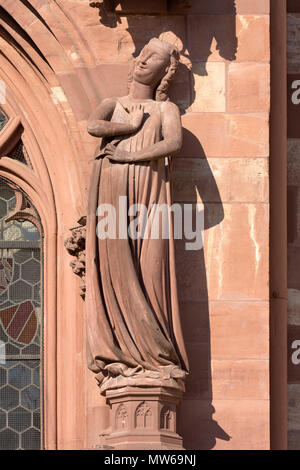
[22, 177]
[35, 40]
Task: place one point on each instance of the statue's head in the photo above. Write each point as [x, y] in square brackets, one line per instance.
[156, 66]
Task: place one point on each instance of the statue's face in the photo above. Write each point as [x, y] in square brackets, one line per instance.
[151, 65]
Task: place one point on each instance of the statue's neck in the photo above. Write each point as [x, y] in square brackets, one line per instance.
[139, 91]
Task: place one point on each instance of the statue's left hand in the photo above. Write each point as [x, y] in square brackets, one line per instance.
[117, 155]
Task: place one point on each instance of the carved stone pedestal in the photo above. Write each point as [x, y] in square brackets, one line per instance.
[143, 418]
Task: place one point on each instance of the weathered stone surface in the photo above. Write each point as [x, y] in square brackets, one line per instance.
[239, 330]
[105, 86]
[209, 87]
[257, 7]
[224, 330]
[76, 95]
[225, 37]
[248, 87]
[142, 418]
[235, 243]
[253, 38]
[193, 179]
[248, 428]
[231, 7]
[118, 44]
[74, 62]
[243, 379]
[225, 135]
[212, 37]
[214, 426]
[229, 246]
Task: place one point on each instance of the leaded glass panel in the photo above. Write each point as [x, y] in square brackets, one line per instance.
[3, 119]
[20, 326]
[19, 153]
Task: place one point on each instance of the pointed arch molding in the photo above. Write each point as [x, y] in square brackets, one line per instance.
[10, 135]
[40, 45]
[24, 178]
[53, 185]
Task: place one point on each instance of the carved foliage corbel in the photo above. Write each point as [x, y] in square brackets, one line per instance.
[75, 246]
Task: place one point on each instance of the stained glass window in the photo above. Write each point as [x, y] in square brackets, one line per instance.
[20, 325]
[19, 153]
[3, 119]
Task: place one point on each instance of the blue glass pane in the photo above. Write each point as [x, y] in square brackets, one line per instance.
[19, 376]
[31, 398]
[9, 398]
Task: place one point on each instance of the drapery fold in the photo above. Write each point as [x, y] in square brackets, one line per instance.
[132, 314]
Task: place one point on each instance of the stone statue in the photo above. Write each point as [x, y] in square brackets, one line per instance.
[133, 325]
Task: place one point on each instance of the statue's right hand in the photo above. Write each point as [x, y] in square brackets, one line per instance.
[136, 114]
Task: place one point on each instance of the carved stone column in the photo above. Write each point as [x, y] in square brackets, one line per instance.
[143, 418]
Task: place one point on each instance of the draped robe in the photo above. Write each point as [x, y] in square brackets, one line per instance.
[133, 322]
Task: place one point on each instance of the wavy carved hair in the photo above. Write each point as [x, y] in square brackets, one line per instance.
[161, 92]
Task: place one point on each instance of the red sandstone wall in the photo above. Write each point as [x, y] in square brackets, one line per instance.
[224, 96]
[230, 120]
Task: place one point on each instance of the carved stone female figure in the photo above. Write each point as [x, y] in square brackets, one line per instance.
[133, 325]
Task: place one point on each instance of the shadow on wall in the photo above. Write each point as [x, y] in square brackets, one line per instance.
[192, 29]
[195, 417]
